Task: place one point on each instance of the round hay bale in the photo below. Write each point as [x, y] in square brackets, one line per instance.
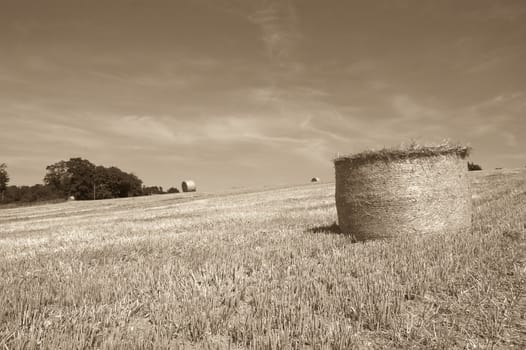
[315, 179]
[188, 186]
[395, 191]
[71, 198]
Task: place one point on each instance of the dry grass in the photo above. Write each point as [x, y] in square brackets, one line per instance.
[410, 151]
[259, 270]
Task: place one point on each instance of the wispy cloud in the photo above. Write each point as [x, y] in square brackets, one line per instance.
[171, 130]
[407, 110]
[142, 128]
[279, 25]
[499, 118]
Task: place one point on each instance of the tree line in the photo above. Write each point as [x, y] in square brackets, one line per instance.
[77, 179]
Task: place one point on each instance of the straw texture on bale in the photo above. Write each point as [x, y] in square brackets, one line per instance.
[315, 179]
[419, 189]
[188, 186]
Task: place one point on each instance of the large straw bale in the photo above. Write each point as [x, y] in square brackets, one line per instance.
[188, 186]
[420, 189]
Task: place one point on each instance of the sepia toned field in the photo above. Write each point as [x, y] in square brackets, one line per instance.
[259, 270]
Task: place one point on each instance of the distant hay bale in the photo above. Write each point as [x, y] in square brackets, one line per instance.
[71, 198]
[188, 186]
[315, 179]
[421, 189]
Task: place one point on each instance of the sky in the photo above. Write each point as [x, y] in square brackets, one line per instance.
[243, 93]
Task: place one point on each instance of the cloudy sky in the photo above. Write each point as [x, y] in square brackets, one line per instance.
[255, 92]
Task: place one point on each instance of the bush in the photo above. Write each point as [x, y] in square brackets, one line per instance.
[473, 167]
[172, 190]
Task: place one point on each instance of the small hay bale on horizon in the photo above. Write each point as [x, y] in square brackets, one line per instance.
[420, 189]
[188, 186]
[315, 179]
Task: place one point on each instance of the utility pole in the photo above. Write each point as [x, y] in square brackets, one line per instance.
[94, 196]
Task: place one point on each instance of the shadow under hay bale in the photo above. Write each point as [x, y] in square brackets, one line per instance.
[327, 229]
[420, 190]
[315, 179]
[188, 186]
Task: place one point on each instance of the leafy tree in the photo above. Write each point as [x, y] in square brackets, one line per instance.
[41, 192]
[149, 190]
[76, 177]
[113, 183]
[473, 167]
[82, 171]
[12, 194]
[58, 177]
[101, 180]
[4, 179]
[135, 185]
[27, 194]
[72, 178]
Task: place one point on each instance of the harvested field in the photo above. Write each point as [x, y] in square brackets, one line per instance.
[265, 269]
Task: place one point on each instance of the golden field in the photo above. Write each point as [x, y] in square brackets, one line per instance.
[259, 270]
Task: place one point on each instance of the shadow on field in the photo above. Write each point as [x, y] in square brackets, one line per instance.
[327, 229]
